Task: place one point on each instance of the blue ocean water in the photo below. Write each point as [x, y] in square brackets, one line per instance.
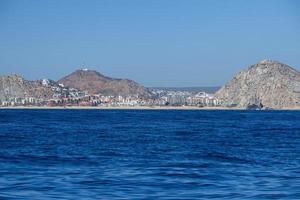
[149, 154]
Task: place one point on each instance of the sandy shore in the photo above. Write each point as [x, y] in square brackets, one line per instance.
[135, 108]
[123, 107]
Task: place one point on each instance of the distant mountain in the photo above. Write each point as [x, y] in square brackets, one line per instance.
[95, 83]
[209, 90]
[14, 86]
[268, 84]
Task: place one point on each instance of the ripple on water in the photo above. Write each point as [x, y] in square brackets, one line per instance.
[160, 154]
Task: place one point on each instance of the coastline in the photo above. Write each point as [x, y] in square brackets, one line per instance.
[120, 108]
[132, 108]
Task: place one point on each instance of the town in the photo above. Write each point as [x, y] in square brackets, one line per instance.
[70, 97]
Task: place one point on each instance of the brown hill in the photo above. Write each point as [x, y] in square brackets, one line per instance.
[95, 83]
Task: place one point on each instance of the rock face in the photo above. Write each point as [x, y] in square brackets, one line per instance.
[96, 83]
[267, 84]
[14, 86]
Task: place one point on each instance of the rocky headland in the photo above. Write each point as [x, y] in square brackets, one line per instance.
[267, 84]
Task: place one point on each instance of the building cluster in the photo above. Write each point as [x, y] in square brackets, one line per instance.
[63, 96]
[22, 101]
[184, 98]
[60, 91]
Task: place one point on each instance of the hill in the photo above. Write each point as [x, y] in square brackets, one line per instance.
[267, 84]
[14, 86]
[95, 83]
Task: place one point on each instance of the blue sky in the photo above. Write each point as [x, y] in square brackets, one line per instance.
[156, 43]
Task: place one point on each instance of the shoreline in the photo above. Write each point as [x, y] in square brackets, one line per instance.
[131, 108]
[119, 108]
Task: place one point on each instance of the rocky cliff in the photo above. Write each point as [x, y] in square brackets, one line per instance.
[267, 84]
[96, 83]
[15, 86]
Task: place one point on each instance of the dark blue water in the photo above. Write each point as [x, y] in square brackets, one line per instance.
[149, 154]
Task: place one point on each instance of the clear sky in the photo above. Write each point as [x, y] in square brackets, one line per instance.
[154, 42]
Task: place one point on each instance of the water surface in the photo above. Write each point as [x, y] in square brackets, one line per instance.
[149, 154]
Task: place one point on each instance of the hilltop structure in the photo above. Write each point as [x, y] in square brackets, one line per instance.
[267, 84]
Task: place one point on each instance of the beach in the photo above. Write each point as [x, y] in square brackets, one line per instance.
[122, 107]
[136, 108]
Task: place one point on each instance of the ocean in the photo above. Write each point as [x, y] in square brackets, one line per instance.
[149, 154]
